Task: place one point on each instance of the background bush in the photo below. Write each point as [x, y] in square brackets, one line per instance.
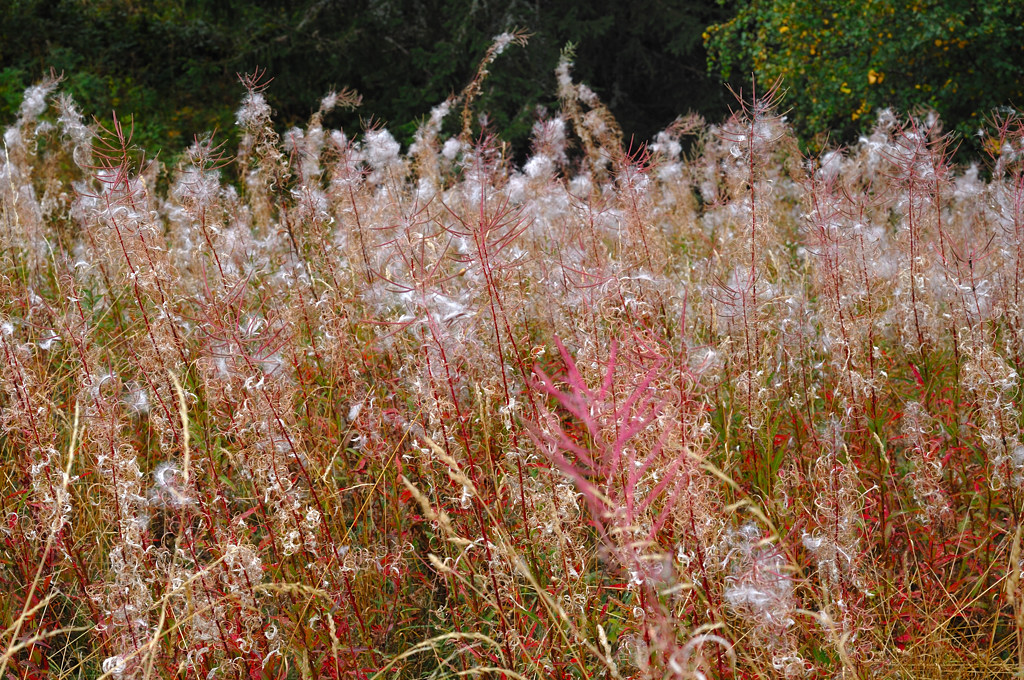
[841, 62]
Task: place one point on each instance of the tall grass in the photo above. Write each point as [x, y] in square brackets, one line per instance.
[613, 413]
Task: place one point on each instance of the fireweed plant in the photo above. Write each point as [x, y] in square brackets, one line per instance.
[615, 413]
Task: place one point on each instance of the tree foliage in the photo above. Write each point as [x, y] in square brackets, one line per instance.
[173, 63]
[840, 62]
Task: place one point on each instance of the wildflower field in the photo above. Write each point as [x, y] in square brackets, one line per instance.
[614, 412]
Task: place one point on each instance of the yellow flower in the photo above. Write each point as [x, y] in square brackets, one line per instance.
[875, 77]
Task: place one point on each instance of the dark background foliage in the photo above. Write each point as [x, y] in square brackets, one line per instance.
[172, 64]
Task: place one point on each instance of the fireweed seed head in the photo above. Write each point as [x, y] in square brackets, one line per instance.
[169, 489]
[115, 666]
[382, 150]
[254, 113]
[137, 399]
[759, 586]
[34, 103]
[501, 42]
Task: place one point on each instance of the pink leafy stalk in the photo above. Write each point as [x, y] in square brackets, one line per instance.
[606, 454]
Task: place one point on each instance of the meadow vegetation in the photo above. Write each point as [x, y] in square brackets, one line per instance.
[615, 412]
